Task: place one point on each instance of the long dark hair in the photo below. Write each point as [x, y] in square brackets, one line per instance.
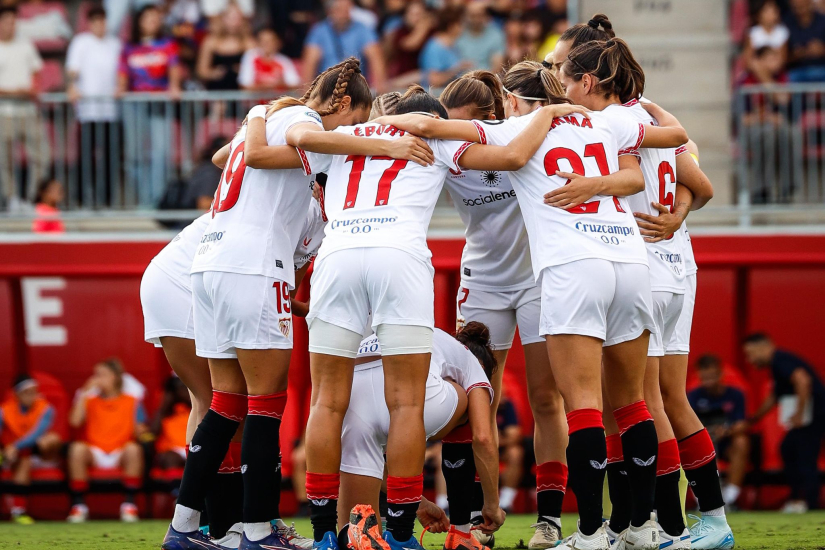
[612, 63]
[136, 35]
[478, 89]
[476, 336]
[416, 99]
[598, 28]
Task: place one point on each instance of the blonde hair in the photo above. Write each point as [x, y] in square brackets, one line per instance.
[533, 80]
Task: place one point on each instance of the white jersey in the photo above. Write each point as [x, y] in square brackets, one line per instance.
[603, 227]
[381, 202]
[176, 257]
[257, 215]
[450, 359]
[666, 258]
[496, 255]
[690, 260]
[312, 234]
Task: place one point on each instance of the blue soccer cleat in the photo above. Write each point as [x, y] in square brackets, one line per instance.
[328, 542]
[194, 540]
[711, 533]
[273, 541]
[411, 544]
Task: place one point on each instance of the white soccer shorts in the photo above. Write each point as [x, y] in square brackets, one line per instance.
[667, 307]
[102, 459]
[167, 307]
[234, 310]
[501, 312]
[599, 298]
[679, 342]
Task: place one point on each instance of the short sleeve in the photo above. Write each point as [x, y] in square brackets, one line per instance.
[629, 135]
[315, 36]
[36, 60]
[500, 132]
[172, 49]
[681, 150]
[370, 37]
[448, 152]
[246, 74]
[123, 66]
[475, 377]
[74, 54]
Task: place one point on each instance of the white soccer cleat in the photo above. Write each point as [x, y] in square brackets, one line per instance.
[129, 513]
[78, 514]
[711, 533]
[580, 541]
[680, 542]
[232, 539]
[291, 535]
[611, 534]
[644, 537]
[547, 535]
[488, 540]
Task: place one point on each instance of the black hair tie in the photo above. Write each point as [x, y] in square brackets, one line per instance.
[610, 43]
[593, 24]
[546, 65]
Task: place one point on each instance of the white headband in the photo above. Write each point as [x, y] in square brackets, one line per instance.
[524, 97]
[25, 384]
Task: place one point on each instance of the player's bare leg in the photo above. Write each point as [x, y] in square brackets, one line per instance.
[357, 489]
[19, 489]
[131, 465]
[193, 371]
[78, 462]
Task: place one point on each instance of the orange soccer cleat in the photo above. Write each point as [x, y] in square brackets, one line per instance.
[456, 540]
[364, 530]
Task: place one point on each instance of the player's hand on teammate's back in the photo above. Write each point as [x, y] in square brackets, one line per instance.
[577, 190]
[412, 148]
[494, 517]
[658, 228]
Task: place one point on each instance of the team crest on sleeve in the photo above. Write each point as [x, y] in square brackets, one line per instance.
[283, 325]
[313, 115]
[491, 178]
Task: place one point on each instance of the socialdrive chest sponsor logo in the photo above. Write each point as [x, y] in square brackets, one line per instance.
[489, 198]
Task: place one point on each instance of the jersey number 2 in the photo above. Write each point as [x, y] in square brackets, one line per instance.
[595, 150]
[230, 182]
[384, 184]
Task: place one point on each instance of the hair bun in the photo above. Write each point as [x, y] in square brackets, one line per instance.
[593, 24]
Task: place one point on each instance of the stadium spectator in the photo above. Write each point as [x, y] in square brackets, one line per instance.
[111, 421]
[337, 37]
[806, 42]
[149, 62]
[212, 8]
[201, 186]
[291, 19]
[440, 59]
[404, 44]
[45, 25]
[118, 11]
[19, 120]
[219, 57]
[515, 48]
[169, 425]
[768, 32]
[800, 395]
[264, 67]
[46, 207]
[26, 419]
[511, 449]
[482, 42]
[92, 69]
[721, 409]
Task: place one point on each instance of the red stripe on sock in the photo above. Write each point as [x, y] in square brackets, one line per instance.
[582, 419]
[551, 476]
[132, 482]
[668, 461]
[404, 490]
[18, 501]
[477, 479]
[630, 415]
[229, 405]
[322, 486]
[696, 450]
[232, 461]
[79, 486]
[271, 405]
[614, 449]
[462, 434]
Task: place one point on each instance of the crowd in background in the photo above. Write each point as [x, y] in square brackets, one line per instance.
[111, 429]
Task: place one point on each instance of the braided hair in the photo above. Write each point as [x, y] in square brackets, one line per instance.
[330, 87]
[385, 104]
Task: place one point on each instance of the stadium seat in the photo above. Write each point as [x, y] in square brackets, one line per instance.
[50, 78]
[49, 14]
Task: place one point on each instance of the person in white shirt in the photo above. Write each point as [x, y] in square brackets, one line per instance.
[264, 67]
[19, 119]
[589, 261]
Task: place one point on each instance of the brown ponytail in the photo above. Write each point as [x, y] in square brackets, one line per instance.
[416, 99]
[598, 28]
[476, 337]
[478, 89]
[612, 63]
[531, 79]
[385, 104]
[330, 87]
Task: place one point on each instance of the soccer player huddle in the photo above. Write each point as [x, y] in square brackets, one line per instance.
[573, 190]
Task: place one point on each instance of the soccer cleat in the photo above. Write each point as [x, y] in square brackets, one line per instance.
[195, 540]
[457, 540]
[328, 542]
[411, 544]
[22, 519]
[580, 541]
[547, 535]
[232, 539]
[680, 542]
[291, 534]
[487, 540]
[644, 537]
[78, 514]
[611, 534]
[364, 530]
[711, 533]
[273, 541]
[129, 513]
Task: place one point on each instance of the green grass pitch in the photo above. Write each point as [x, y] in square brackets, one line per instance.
[753, 531]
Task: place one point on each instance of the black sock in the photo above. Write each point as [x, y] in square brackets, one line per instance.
[206, 452]
[224, 503]
[459, 468]
[586, 463]
[77, 492]
[260, 456]
[401, 520]
[551, 483]
[698, 458]
[322, 493]
[204, 522]
[640, 449]
[477, 502]
[669, 504]
[618, 486]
